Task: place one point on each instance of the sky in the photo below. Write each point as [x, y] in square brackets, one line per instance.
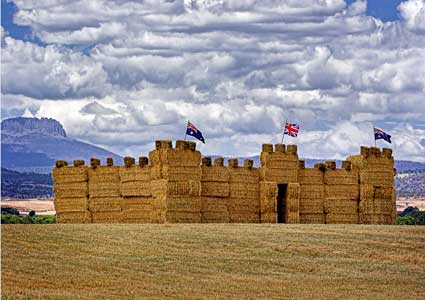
[121, 74]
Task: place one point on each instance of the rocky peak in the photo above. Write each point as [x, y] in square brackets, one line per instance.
[23, 126]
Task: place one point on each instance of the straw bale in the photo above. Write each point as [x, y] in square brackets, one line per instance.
[312, 218]
[387, 152]
[70, 190]
[191, 146]
[143, 161]
[73, 217]
[292, 149]
[182, 217]
[206, 161]
[219, 162]
[69, 174]
[215, 189]
[243, 175]
[232, 162]
[280, 175]
[166, 144]
[176, 173]
[137, 203]
[104, 204]
[61, 163]
[268, 217]
[237, 204]
[248, 163]
[341, 206]
[311, 206]
[180, 144]
[157, 145]
[340, 177]
[78, 162]
[136, 216]
[109, 161]
[177, 158]
[94, 162]
[310, 176]
[106, 217]
[268, 189]
[330, 165]
[189, 187]
[134, 173]
[278, 160]
[244, 218]
[375, 151]
[104, 189]
[333, 218]
[320, 166]
[215, 174]
[135, 188]
[268, 148]
[241, 190]
[364, 151]
[129, 161]
[374, 177]
[215, 217]
[347, 191]
[104, 174]
[346, 164]
[280, 148]
[292, 217]
[70, 204]
[301, 164]
[382, 219]
[213, 204]
[183, 204]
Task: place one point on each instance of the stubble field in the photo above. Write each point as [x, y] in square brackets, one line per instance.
[207, 261]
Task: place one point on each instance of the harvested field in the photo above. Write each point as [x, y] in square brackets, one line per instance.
[212, 261]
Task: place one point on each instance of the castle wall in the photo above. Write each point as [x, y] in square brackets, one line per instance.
[176, 188]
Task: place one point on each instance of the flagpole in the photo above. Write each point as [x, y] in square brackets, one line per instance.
[283, 134]
[373, 127]
[185, 133]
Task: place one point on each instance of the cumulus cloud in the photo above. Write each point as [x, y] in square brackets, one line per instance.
[128, 72]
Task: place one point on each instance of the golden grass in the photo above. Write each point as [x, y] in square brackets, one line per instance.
[212, 261]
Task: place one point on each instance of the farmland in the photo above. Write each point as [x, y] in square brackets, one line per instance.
[208, 261]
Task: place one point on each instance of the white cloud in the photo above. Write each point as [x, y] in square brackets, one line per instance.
[122, 73]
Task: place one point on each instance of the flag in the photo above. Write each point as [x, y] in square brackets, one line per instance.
[379, 134]
[291, 129]
[193, 131]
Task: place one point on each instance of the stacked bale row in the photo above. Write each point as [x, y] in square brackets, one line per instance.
[312, 194]
[104, 191]
[292, 205]
[377, 196]
[341, 194]
[280, 166]
[71, 192]
[214, 191]
[268, 203]
[176, 182]
[243, 203]
[135, 186]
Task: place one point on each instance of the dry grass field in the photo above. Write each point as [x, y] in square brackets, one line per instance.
[212, 262]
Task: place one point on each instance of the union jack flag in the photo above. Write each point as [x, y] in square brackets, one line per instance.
[291, 129]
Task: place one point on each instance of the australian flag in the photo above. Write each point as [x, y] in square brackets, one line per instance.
[193, 131]
[379, 134]
[291, 129]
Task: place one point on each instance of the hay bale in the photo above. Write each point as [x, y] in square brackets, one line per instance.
[312, 218]
[180, 144]
[206, 161]
[387, 152]
[268, 148]
[232, 162]
[364, 151]
[78, 162]
[104, 204]
[129, 161]
[106, 217]
[109, 161]
[341, 206]
[71, 204]
[215, 189]
[333, 218]
[244, 217]
[215, 174]
[219, 162]
[137, 203]
[135, 189]
[166, 144]
[292, 211]
[182, 217]
[69, 174]
[215, 217]
[341, 177]
[330, 164]
[94, 162]
[135, 174]
[143, 161]
[346, 164]
[301, 164]
[191, 146]
[70, 189]
[61, 163]
[268, 217]
[279, 148]
[248, 163]
[73, 217]
[320, 166]
[292, 149]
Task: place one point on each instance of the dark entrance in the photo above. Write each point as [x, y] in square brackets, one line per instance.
[281, 202]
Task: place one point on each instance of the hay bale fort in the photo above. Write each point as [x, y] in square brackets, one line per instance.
[177, 185]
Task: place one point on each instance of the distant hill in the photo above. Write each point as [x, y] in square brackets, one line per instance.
[31, 144]
[25, 185]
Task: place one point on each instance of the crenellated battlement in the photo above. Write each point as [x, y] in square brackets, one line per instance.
[177, 184]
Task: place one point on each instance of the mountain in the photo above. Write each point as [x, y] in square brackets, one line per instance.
[31, 144]
[25, 185]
